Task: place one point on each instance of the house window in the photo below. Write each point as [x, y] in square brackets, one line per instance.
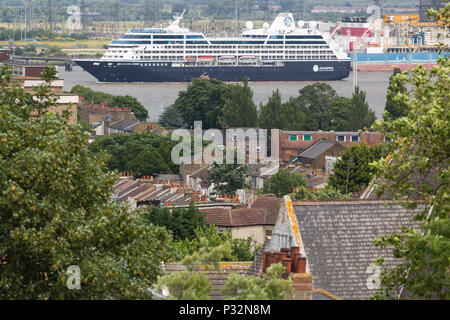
[293, 137]
[307, 137]
[268, 233]
[354, 138]
[340, 137]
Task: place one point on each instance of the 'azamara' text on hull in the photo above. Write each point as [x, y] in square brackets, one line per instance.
[283, 51]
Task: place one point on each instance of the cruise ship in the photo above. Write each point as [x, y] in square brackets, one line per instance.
[282, 51]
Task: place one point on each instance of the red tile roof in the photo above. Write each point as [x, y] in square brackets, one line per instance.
[264, 211]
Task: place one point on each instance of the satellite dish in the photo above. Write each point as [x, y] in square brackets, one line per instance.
[249, 25]
[313, 25]
[300, 23]
[265, 25]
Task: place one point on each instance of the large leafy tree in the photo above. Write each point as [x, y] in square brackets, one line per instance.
[419, 169]
[353, 172]
[317, 100]
[145, 153]
[240, 110]
[171, 118]
[203, 100]
[55, 211]
[227, 178]
[283, 182]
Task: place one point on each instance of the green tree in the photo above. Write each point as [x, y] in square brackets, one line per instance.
[145, 153]
[181, 222]
[227, 178]
[419, 169]
[171, 118]
[283, 182]
[317, 100]
[240, 110]
[203, 100]
[55, 211]
[394, 110]
[359, 116]
[353, 172]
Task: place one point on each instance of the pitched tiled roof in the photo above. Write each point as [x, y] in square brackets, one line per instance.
[272, 204]
[264, 211]
[124, 125]
[337, 238]
[317, 148]
[201, 173]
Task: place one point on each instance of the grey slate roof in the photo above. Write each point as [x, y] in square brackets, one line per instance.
[124, 125]
[337, 238]
[317, 148]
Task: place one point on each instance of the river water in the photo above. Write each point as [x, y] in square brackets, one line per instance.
[156, 96]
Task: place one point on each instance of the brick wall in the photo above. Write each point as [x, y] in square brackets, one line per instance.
[289, 148]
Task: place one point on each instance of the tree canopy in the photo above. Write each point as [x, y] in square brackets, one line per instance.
[353, 172]
[203, 100]
[145, 153]
[394, 109]
[240, 111]
[55, 209]
[283, 182]
[419, 169]
[180, 221]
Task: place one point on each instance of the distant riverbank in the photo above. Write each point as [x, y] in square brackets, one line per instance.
[156, 96]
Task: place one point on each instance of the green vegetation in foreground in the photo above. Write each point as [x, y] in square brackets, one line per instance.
[145, 153]
[56, 212]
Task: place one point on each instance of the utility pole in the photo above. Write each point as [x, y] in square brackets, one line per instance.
[50, 14]
[147, 12]
[83, 16]
[116, 16]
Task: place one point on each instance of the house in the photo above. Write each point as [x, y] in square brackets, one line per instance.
[314, 156]
[336, 238]
[64, 101]
[292, 143]
[256, 221]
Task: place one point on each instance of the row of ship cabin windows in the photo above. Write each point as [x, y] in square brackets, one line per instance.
[339, 137]
[181, 58]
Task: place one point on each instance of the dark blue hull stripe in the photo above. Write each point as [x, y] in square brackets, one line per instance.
[105, 71]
